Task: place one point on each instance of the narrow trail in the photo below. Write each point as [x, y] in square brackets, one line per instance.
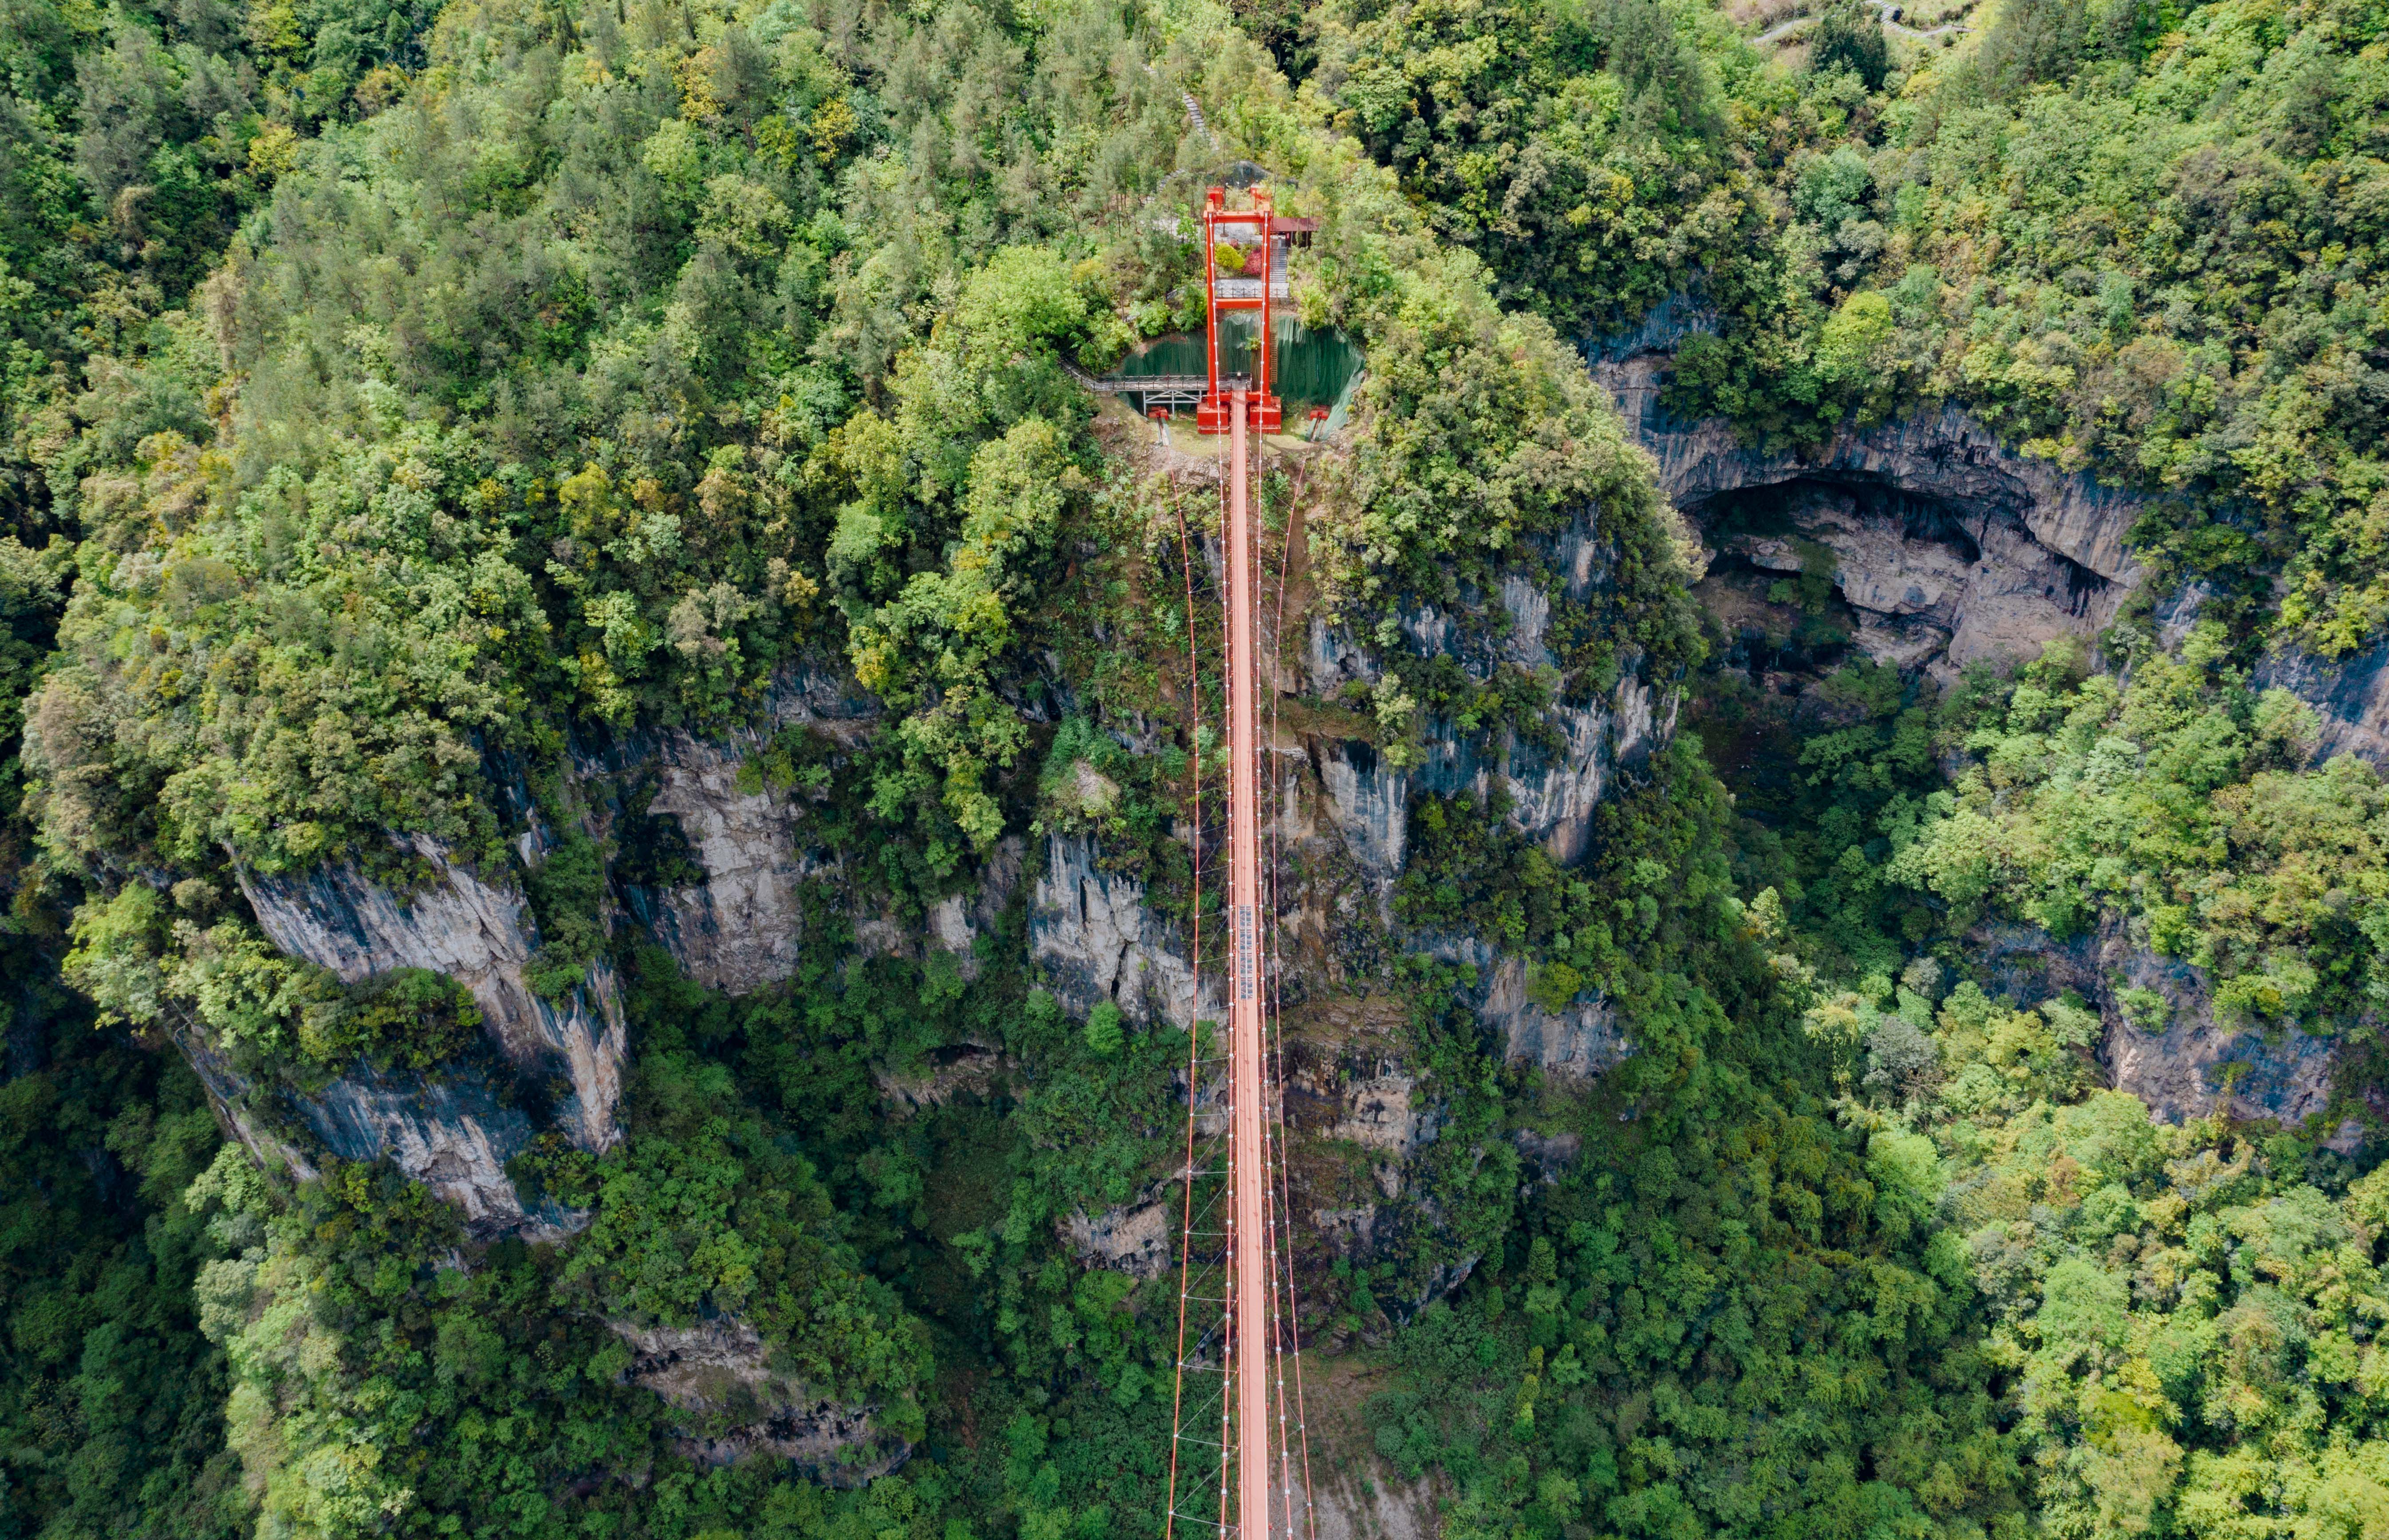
[1883, 9]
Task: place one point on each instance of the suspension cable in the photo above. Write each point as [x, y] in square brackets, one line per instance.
[1277, 1051]
[1194, 1015]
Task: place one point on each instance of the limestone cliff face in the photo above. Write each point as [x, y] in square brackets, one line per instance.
[737, 929]
[1577, 1042]
[730, 912]
[1361, 1119]
[1953, 547]
[714, 872]
[1946, 455]
[454, 1132]
[2176, 1056]
[1097, 940]
[1341, 821]
[1929, 590]
[1135, 1239]
[1551, 791]
[717, 1374]
[2350, 697]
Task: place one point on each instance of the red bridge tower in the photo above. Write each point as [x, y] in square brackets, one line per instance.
[1243, 269]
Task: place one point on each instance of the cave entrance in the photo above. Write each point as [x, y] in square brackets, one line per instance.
[1811, 569]
[1784, 508]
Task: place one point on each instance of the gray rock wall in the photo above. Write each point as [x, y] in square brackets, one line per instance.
[2350, 697]
[1137, 1238]
[2032, 553]
[229, 1089]
[1097, 940]
[1359, 1123]
[2028, 553]
[1946, 455]
[453, 1131]
[481, 936]
[1579, 1042]
[737, 930]
[718, 1372]
[1552, 792]
[2189, 1064]
[2051, 557]
[739, 927]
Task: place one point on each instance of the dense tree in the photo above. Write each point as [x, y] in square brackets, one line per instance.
[397, 395]
[1850, 37]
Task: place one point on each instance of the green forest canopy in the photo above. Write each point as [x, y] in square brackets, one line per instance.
[389, 387]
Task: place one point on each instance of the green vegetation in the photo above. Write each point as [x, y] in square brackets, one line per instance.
[2176, 1311]
[408, 407]
[111, 1404]
[2142, 244]
[2181, 803]
[1576, 147]
[2167, 1328]
[1729, 1310]
[2138, 240]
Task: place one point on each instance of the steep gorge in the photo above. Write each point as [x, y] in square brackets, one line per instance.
[599, 673]
[1946, 548]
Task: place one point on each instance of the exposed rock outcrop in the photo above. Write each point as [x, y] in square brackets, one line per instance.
[1366, 1131]
[2177, 1057]
[957, 1070]
[1546, 1157]
[1551, 790]
[481, 936]
[1579, 1042]
[726, 904]
[737, 929]
[1946, 456]
[1360, 1124]
[230, 1090]
[718, 1371]
[1928, 590]
[1954, 547]
[2350, 697]
[731, 915]
[1351, 1505]
[455, 1131]
[1098, 941]
[1133, 1238]
[715, 872]
[1377, 1114]
[455, 1134]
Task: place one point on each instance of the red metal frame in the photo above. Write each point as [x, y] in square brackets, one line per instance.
[1258, 230]
[1249, 1197]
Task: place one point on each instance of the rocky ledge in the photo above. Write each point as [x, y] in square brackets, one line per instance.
[1951, 547]
[2163, 1043]
[717, 1374]
[455, 1131]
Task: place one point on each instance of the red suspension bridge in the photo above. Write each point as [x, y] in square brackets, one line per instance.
[1239, 1361]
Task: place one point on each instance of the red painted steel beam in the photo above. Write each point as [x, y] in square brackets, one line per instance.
[1250, 1178]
